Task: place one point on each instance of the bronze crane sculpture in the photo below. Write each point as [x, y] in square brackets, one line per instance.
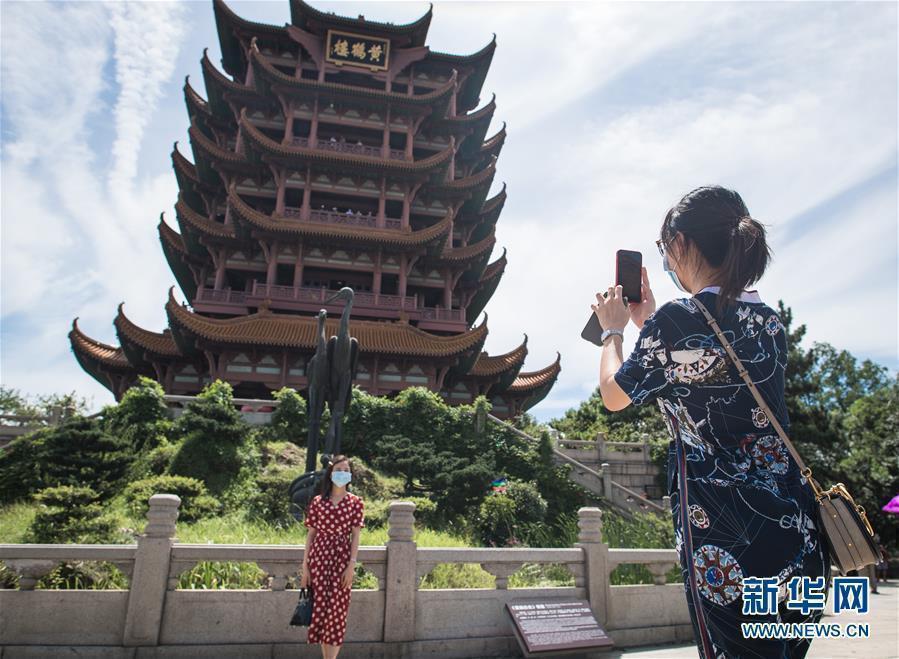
[330, 374]
[343, 358]
[319, 380]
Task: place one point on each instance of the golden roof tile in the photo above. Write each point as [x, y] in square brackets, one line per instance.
[158, 343]
[535, 379]
[488, 365]
[300, 332]
[95, 350]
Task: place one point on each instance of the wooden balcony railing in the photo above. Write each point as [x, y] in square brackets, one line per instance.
[356, 219]
[347, 147]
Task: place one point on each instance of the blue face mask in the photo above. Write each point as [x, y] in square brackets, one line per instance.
[341, 478]
[672, 273]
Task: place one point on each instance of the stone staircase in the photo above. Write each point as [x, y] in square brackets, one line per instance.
[620, 472]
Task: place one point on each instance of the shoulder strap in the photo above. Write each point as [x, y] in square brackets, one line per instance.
[755, 392]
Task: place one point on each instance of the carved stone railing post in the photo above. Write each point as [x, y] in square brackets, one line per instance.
[151, 571]
[501, 572]
[596, 563]
[606, 480]
[30, 571]
[401, 583]
[659, 572]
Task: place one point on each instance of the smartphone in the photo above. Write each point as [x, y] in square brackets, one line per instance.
[628, 273]
[593, 330]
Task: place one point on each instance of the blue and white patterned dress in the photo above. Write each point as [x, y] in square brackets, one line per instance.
[748, 511]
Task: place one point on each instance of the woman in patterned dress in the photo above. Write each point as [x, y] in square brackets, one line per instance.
[334, 518]
[739, 503]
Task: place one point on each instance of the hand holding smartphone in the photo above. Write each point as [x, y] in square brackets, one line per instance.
[628, 273]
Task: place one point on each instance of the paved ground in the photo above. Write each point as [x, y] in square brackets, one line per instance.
[883, 643]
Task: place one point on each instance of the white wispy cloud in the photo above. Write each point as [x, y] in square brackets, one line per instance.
[147, 37]
[77, 226]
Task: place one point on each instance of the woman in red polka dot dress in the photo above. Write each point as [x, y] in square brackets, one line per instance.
[335, 518]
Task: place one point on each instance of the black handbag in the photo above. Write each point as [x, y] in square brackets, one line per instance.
[302, 615]
[848, 532]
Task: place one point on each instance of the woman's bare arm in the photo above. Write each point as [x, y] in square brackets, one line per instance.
[613, 396]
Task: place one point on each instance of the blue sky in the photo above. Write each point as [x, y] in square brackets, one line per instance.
[613, 112]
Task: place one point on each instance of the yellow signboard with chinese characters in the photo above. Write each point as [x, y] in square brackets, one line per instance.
[347, 48]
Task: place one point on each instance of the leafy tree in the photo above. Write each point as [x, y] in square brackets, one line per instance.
[78, 452]
[871, 461]
[141, 417]
[218, 447]
[289, 421]
[12, 401]
[70, 514]
[195, 501]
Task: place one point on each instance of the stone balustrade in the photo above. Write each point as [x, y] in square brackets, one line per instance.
[398, 618]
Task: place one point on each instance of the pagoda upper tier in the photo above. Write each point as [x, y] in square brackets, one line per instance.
[331, 152]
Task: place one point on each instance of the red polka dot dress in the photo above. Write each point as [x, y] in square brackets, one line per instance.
[329, 556]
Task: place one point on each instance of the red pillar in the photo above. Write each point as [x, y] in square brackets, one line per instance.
[272, 273]
[307, 194]
[382, 203]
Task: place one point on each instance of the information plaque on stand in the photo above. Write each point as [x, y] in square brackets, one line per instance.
[552, 628]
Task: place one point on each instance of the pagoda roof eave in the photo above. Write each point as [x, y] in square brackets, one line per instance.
[209, 156]
[158, 344]
[461, 188]
[468, 252]
[494, 204]
[494, 365]
[191, 220]
[176, 256]
[220, 88]
[195, 103]
[284, 331]
[486, 286]
[533, 381]
[265, 73]
[259, 221]
[469, 95]
[227, 25]
[97, 352]
[304, 16]
[266, 146]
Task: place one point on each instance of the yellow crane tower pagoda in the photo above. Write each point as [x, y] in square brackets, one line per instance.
[331, 152]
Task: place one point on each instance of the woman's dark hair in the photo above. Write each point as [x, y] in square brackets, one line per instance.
[325, 487]
[718, 223]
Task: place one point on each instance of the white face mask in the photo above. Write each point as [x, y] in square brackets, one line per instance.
[341, 478]
[672, 273]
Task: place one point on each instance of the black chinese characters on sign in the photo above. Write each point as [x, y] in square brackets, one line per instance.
[347, 48]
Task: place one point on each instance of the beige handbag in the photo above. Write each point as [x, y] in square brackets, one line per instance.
[846, 526]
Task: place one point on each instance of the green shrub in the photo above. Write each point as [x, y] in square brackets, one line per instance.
[512, 517]
[19, 474]
[289, 418]
[426, 513]
[495, 521]
[154, 462]
[218, 448]
[530, 506]
[282, 454]
[371, 485]
[141, 418]
[195, 501]
[77, 452]
[272, 501]
[376, 513]
[70, 514]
